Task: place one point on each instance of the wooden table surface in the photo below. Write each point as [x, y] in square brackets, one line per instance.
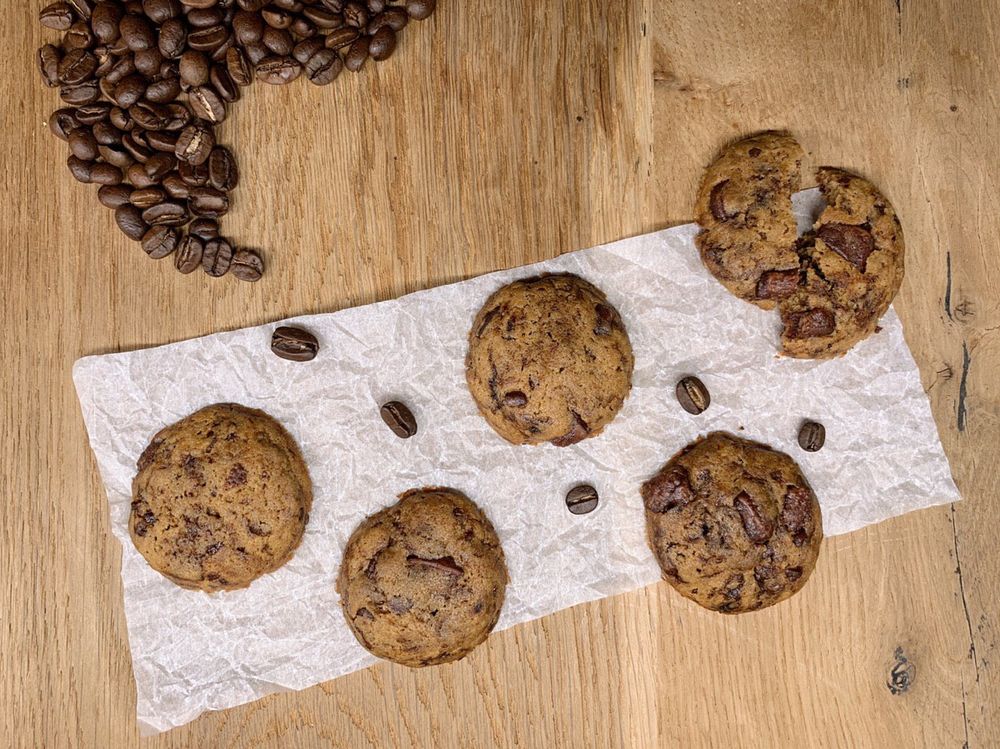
[500, 134]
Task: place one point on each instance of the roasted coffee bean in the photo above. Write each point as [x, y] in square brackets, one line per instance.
[137, 148]
[239, 67]
[147, 197]
[79, 36]
[254, 5]
[395, 18]
[148, 62]
[294, 344]
[302, 28]
[82, 8]
[208, 40]
[693, 395]
[80, 169]
[160, 241]
[276, 18]
[223, 83]
[166, 214]
[383, 44]
[208, 202]
[137, 177]
[342, 37]
[160, 11]
[164, 90]
[195, 144]
[150, 116]
[91, 114]
[176, 117]
[77, 66]
[194, 175]
[112, 196]
[106, 89]
[120, 118]
[176, 187]
[357, 54]
[203, 18]
[324, 67]
[399, 419]
[106, 134]
[337, 6]
[189, 254]
[248, 27]
[279, 41]
[194, 68]
[247, 266]
[278, 70]
[222, 171]
[376, 6]
[104, 21]
[812, 436]
[83, 93]
[307, 48]
[162, 140]
[159, 165]
[130, 90]
[356, 15]
[116, 154]
[582, 499]
[137, 32]
[256, 53]
[58, 16]
[217, 257]
[129, 220]
[48, 64]
[420, 9]
[105, 174]
[323, 18]
[204, 228]
[206, 104]
[173, 38]
[83, 144]
[62, 122]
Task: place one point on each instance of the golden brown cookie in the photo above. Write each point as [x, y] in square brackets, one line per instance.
[423, 582]
[549, 361]
[852, 267]
[733, 524]
[744, 208]
[220, 498]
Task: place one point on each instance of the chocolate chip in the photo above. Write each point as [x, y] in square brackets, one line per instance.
[717, 203]
[757, 526]
[796, 514]
[515, 399]
[693, 395]
[754, 152]
[441, 564]
[607, 319]
[777, 284]
[582, 499]
[577, 432]
[666, 490]
[812, 435]
[810, 323]
[400, 604]
[237, 476]
[853, 243]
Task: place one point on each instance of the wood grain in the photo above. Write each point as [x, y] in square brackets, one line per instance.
[501, 134]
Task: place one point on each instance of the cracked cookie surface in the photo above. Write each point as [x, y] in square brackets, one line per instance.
[422, 582]
[549, 360]
[732, 523]
[220, 498]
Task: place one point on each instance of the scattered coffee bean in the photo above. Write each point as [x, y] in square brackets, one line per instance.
[160, 241]
[294, 344]
[217, 257]
[812, 436]
[189, 254]
[582, 499]
[247, 266]
[129, 220]
[693, 395]
[399, 419]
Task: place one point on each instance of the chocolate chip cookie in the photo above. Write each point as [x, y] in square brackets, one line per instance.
[744, 207]
[423, 582]
[852, 267]
[549, 361]
[220, 498]
[733, 524]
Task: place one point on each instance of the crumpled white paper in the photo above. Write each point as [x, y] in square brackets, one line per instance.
[194, 652]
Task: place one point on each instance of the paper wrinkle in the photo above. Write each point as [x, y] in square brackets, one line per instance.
[194, 652]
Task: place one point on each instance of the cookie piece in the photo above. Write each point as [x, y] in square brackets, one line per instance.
[744, 208]
[852, 267]
[733, 524]
[423, 582]
[549, 361]
[220, 498]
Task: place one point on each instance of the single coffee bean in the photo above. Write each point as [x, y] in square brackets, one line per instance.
[294, 344]
[399, 419]
[120, 118]
[342, 37]
[693, 395]
[173, 38]
[116, 154]
[137, 177]
[208, 40]
[137, 31]
[124, 66]
[77, 66]
[420, 9]
[129, 220]
[279, 41]
[203, 18]
[80, 169]
[194, 175]
[356, 15]
[83, 144]
[395, 18]
[582, 499]
[204, 228]
[303, 28]
[112, 196]
[256, 53]
[222, 171]
[278, 70]
[324, 67]
[208, 202]
[104, 21]
[239, 67]
[162, 140]
[189, 254]
[79, 36]
[176, 117]
[217, 257]
[376, 6]
[223, 83]
[148, 62]
[159, 165]
[106, 134]
[130, 90]
[147, 197]
[357, 54]
[303, 50]
[137, 148]
[206, 104]
[812, 436]
[160, 241]
[62, 122]
[160, 11]
[82, 8]
[194, 68]
[105, 174]
[195, 144]
[175, 187]
[166, 214]
[248, 27]
[247, 266]
[164, 90]
[323, 18]
[48, 64]
[383, 44]
[57, 16]
[83, 93]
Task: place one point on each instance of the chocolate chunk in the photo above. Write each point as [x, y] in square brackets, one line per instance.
[796, 514]
[810, 323]
[607, 320]
[577, 432]
[400, 604]
[757, 526]
[853, 243]
[442, 564]
[237, 476]
[793, 573]
[767, 579]
[667, 490]
[515, 399]
[777, 284]
[487, 319]
[717, 202]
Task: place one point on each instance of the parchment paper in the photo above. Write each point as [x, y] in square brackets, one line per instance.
[194, 652]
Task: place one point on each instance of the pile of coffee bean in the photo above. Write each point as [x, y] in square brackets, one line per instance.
[146, 82]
